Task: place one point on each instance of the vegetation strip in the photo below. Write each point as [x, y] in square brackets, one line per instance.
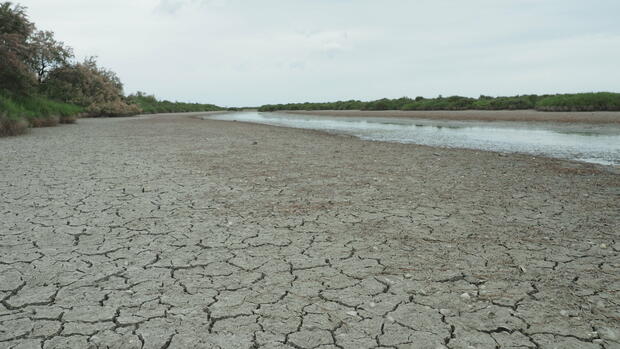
[41, 83]
[600, 101]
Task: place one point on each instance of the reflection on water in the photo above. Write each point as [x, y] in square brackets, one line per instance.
[589, 143]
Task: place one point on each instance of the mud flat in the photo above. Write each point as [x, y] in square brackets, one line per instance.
[481, 115]
[174, 232]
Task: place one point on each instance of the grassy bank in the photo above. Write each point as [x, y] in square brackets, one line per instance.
[601, 101]
[151, 105]
[17, 113]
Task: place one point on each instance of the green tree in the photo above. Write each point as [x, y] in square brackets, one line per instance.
[15, 28]
[86, 84]
[46, 53]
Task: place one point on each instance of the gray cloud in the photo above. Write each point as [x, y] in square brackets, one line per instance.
[169, 6]
[241, 52]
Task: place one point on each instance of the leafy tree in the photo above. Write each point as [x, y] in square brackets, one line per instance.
[14, 31]
[13, 20]
[88, 85]
[46, 53]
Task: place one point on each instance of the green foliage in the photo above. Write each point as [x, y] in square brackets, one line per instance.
[17, 112]
[13, 20]
[566, 102]
[340, 105]
[605, 101]
[33, 107]
[97, 89]
[15, 28]
[12, 126]
[46, 53]
[150, 105]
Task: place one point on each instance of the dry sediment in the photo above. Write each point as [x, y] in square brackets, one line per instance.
[173, 232]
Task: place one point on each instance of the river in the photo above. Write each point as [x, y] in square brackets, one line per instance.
[582, 142]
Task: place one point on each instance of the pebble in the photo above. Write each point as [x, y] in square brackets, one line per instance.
[391, 319]
[372, 304]
[564, 313]
[352, 313]
[603, 245]
[465, 296]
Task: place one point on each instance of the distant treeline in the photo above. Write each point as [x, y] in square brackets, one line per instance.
[601, 101]
[41, 83]
[150, 105]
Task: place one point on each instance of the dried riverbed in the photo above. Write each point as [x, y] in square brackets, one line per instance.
[173, 232]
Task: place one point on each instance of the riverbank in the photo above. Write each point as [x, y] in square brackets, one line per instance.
[480, 115]
[171, 231]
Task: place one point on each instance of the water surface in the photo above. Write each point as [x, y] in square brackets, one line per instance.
[582, 142]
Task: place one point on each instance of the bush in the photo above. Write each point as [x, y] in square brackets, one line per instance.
[12, 126]
[38, 111]
[604, 101]
[85, 84]
[113, 108]
[567, 102]
[150, 105]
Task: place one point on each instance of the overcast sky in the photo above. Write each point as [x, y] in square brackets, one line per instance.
[247, 53]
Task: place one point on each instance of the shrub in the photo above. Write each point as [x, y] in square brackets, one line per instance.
[85, 84]
[36, 110]
[150, 105]
[112, 108]
[566, 102]
[605, 101]
[12, 126]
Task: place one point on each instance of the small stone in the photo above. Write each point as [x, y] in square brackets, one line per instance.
[372, 304]
[465, 296]
[352, 313]
[564, 313]
[603, 245]
[408, 276]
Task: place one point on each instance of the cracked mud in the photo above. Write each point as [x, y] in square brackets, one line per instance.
[172, 232]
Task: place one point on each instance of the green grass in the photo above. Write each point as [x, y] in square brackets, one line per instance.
[34, 111]
[601, 101]
[150, 105]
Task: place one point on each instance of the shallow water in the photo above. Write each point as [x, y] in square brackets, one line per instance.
[589, 143]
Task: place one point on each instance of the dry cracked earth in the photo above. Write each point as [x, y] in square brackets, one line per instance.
[173, 232]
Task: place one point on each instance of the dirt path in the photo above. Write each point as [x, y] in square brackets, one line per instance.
[173, 232]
